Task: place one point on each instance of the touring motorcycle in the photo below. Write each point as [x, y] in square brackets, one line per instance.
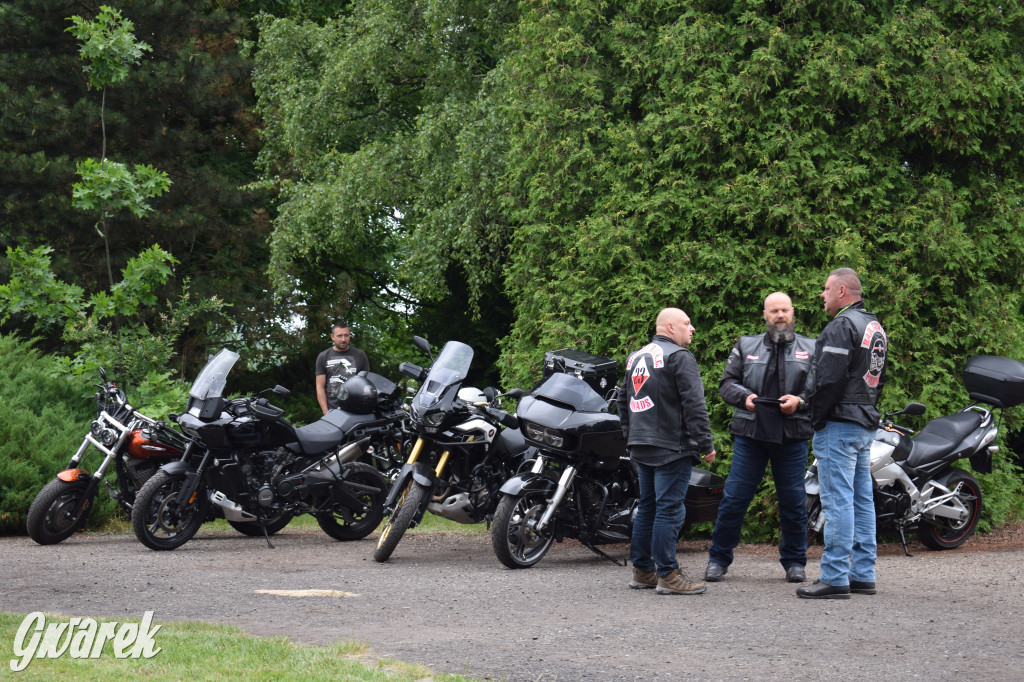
[581, 484]
[134, 444]
[916, 486]
[258, 471]
[466, 446]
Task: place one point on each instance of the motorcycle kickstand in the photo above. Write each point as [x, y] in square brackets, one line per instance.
[903, 539]
[263, 527]
[595, 550]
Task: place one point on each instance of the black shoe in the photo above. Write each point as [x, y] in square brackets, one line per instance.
[819, 590]
[715, 573]
[861, 587]
[795, 574]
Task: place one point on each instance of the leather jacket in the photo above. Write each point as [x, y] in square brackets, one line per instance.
[745, 374]
[661, 402]
[849, 369]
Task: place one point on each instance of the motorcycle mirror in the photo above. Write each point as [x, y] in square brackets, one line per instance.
[913, 409]
[282, 392]
[515, 393]
[423, 345]
[103, 375]
[490, 393]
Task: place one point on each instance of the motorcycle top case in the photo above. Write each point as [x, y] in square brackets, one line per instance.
[600, 373]
[995, 380]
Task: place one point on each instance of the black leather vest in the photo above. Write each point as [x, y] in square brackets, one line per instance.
[796, 363]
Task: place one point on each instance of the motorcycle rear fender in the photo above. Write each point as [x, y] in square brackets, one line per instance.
[528, 482]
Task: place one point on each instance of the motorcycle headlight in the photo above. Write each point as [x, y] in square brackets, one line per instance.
[553, 438]
[433, 418]
[533, 432]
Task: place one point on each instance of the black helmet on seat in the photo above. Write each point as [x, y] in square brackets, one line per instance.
[358, 395]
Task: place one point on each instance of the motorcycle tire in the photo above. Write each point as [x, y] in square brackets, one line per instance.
[514, 543]
[253, 530]
[813, 512]
[59, 510]
[371, 488]
[400, 520]
[156, 520]
[944, 533]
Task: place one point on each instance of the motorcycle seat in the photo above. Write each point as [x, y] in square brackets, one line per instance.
[941, 437]
[318, 437]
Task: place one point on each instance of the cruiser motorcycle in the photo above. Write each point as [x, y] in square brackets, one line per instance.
[466, 447]
[258, 471]
[134, 444]
[581, 484]
[916, 486]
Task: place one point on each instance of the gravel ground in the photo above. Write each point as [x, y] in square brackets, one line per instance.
[444, 601]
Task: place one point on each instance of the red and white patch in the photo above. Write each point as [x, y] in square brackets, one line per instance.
[873, 328]
[640, 404]
[753, 357]
[640, 375]
[801, 355]
[652, 349]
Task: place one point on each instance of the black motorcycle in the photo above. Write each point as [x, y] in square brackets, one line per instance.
[136, 445]
[582, 484]
[258, 471]
[462, 454]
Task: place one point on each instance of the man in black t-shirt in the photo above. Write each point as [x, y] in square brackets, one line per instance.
[336, 364]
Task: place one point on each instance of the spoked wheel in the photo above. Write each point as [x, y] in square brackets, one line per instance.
[59, 509]
[158, 520]
[516, 543]
[945, 533]
[371, 488]
[814, 513]
[400, 520]
[252, 528]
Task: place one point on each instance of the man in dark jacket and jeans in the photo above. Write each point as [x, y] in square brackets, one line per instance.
[846, 382]
[767, 367]
[665, 421]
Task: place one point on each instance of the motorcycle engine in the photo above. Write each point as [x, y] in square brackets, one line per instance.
[261, 469]
[140, 470]
[891, 507]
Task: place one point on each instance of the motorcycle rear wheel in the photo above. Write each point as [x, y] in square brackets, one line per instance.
[515, 543]
[59, 510]
[253, 530]
[157, 520]
[946, 533]
[371, 488]
[400, 520]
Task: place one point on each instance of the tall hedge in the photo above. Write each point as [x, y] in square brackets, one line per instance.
[705, 154]
[43, 421]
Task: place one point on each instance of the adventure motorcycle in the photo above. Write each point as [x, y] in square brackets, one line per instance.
[916, 488]
[462, 454]
[136, 445]
[582, 483]
[258, 471]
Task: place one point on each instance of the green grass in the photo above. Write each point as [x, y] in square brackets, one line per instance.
[215, 652]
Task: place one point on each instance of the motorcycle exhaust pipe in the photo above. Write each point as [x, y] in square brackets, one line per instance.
[353, 451]
[232, 510]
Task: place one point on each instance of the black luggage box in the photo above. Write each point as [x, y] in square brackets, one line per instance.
[703, 496]
[600, 373]
[995, 380]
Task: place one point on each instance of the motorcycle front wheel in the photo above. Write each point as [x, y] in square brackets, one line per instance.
[516, 543]
[400, 520]
[371, 488]
[59, 510]
[157, 519]
[944, 533]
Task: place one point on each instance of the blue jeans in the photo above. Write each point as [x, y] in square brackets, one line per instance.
[749, 459]
[659, 515]
[843, 450]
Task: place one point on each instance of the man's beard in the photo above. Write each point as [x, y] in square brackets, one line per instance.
[783, 334]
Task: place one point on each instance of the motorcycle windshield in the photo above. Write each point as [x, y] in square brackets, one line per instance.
[450, 368]
[212, 379]
[564, 388]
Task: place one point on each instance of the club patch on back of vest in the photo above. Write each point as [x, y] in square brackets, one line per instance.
[640, 404]
[876, 340]
[652, 349]
[640, 375]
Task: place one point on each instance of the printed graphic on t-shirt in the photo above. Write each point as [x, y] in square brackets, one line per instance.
[338, 372]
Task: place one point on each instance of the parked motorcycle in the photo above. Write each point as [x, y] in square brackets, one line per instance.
[582, 484]
[916, 486]
[258, 471]
[136, 445]
[462, 454]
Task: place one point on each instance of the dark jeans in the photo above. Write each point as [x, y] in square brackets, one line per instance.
[749, 459]
[659, 516]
